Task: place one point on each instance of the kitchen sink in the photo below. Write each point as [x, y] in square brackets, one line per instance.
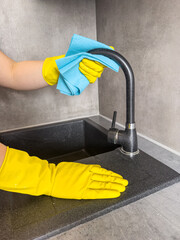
[30, 217]
[65, 141]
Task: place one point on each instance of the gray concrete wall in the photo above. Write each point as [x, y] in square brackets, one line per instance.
[147, 33]
[34, 30]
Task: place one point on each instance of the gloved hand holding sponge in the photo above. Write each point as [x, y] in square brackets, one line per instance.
[91, 69]
[74, 71]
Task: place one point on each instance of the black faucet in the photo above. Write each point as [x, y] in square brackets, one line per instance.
[126, 138]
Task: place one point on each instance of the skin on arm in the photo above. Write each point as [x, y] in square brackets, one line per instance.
[2, 153]
[26, 75]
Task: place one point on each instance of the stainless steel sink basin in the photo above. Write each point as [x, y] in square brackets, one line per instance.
[66, 141]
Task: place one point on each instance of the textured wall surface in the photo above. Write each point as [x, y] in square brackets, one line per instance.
[34, 30]
[147, 33]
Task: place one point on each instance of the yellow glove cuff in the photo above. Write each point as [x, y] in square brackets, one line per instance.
[50, 70]
[24, 174]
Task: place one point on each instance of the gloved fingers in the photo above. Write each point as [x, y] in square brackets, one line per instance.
[100, 194]
[111, 47]
[106, 178]
[107, 185]
[104, 172]
[90, 78]
[101, 65]
[95, 65]
[89, 70]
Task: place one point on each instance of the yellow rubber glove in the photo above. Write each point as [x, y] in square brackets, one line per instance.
[50, 70]
[91, 69]
[31, 175]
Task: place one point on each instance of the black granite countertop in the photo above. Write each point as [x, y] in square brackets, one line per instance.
[28, 217]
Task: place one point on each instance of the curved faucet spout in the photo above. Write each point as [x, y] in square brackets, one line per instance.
[129, 75]
[128, 137]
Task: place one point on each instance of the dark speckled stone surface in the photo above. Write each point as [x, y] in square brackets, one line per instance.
[28, 217]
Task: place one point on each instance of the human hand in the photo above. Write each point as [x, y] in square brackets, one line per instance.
[91, 69]
[30, 175]
[82, 181]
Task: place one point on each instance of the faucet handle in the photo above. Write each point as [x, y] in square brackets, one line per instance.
[114, 119]
[113, 132]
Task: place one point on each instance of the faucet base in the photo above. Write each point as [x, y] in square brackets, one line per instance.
[131, 154]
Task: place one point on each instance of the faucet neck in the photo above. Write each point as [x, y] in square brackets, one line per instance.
[129, 75]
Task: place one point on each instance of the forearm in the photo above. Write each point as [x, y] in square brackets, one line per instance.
[26, 75]
[2, 153]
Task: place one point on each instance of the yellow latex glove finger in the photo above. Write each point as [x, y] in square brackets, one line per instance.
[91, 69]
[103, 171]
[112, 47]
[106, 186]
[103, 175]
[109, 178]
[89, 77]
[50, 70]
[96, 66]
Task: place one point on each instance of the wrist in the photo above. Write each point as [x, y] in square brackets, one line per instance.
[50, 70]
